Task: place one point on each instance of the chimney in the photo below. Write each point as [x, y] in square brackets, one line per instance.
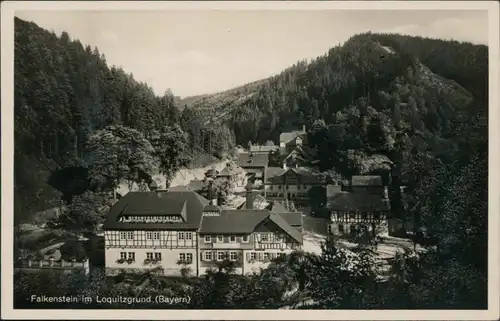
[249, 196]
[386, 192]
[304, 128]
[153, 187]
[284, 165]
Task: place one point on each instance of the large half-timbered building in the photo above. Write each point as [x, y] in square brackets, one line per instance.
[363, 207]
[249, 237]
[179, 231]
[158, 229]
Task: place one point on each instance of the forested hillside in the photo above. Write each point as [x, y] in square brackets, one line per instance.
[64, 92]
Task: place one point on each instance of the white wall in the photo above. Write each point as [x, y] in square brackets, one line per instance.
[168, 262]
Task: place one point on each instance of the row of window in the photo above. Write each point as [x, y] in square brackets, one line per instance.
[232, 256]
[221, 256]
[152, 219]
[290, 195]
[287, 186]
[155, 256]
[156, 236]
[220, 239]
[262, 237]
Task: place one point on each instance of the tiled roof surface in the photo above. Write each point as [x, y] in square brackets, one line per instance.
[156, 202]
[345, 201]
[289, 136]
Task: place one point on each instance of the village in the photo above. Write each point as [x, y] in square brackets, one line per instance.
[274, 202]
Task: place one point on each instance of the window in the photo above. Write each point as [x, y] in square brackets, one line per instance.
[253, 256]
[232, 256]
[158, 256]
[244, 239]
[232, 239]
[266, 256]
[287, 187]
[123, 255]
[189, 236]
[341, 228]
[279, 186]
[130, 235]
[304, 186]
[208, 256]
[280, 254]
[149, 235]
[220, 239]
[181, 236]
[220, 256]
[123, 235]
[189, 257]
[131, 256]
[182, 257]
[208, 239]
[271, 187]
[264, 237]
[149, 256]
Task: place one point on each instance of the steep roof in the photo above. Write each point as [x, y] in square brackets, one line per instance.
[290, 136]
[252, 160]
[345, 201]
[245, 222]
[233, 221]
[157, 203]
[230, 171]
[290, 230]
[304, 177]
[366, 180]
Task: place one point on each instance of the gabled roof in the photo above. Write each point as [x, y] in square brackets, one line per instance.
[345, 201]
[277, 208]
[366, 180]
[304, 177]
[290, 136]
[245, 222]
[157, 203]
[233, 221]
[230, 171]
[290, 230]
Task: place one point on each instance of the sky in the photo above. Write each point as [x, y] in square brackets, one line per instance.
[206, 51]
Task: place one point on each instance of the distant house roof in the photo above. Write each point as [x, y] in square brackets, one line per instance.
[230, 171]
[178, 188]
[211, 208]
[263, 149]
[195, 185]
[366, 180]
[302, 175]
[246, 160]
[258, 200]
[277, 208]
[287, 137]
[245, 222]
[345, 201]
[157, 203]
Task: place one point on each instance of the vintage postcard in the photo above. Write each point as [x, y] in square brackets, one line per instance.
[250, 160]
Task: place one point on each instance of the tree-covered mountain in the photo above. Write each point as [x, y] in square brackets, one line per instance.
[65, 92]
[421, 104]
